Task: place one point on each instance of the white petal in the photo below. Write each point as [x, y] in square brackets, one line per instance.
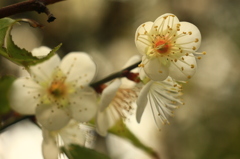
[23, 96]
[154, 69]
[49, 146]
[109, 93]
[165, 21]
[142, 40]
[83, 105]
[41, 51]
[134, 59]
[102, 123]
[43, 72]
[72, 134]
[52, 117]
[189, 39]
[78, 67]
[175, 69]
[142, 100]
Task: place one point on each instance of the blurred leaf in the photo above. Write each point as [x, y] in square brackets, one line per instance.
[79, 152]
[11, 51]
[122, 131]
[5, 83]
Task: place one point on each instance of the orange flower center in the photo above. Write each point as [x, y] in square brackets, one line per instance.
[57, 88]
[161, 46]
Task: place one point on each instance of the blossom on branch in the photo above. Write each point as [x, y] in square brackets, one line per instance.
[162, 96]
[116, 101]
[168, 48]
[57, 91]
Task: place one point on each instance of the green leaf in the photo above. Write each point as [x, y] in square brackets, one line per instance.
[122, 131]
[11, 51]
[5, 83]
[79, 152]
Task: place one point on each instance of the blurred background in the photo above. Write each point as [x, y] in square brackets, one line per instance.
[206, 127]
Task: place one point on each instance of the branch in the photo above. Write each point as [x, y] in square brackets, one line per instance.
[30, 5]
[5, 126]
[122, 73]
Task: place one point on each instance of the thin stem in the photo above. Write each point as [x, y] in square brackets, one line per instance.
[119, 74]
[30, 5]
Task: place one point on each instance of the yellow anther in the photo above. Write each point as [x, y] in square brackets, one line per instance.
[204, 53]
[192, 66]
[194, 48]
[196, 40]
[189, 77]
[190, 33]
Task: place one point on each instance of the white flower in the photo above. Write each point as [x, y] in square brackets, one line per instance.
[57, 91]
[168, 48]
[116, 102]
[73, 133]
[162, 96]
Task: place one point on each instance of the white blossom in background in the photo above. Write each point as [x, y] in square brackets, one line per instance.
[56, 91]
[162, 96]
[72, 133]
[116, 101]
[168, 48]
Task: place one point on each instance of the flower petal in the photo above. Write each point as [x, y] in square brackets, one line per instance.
[192, 39]
[142, 100]
[42, 72]
[183, 69]
[49, 146]
[134, 59]
[154, 69]
[41, 51]
[83, 105]
[162, 23]
[109, 93]
[72, 134]
[23, 96]
[78, 67]
[51, 116]
[103, 122]
[142, 39]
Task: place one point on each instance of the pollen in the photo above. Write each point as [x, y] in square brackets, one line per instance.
[57, 88]
[161, 45]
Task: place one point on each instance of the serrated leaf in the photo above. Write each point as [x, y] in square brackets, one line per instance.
[122, 131]
[5, 83]
[14, 53]
[79, 152]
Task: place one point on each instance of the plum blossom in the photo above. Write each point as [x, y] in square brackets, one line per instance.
[162, 96]
[168, 48]
[72, 133]
[56, 91]
[116, 101]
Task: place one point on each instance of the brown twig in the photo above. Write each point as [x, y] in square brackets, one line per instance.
[30, 5]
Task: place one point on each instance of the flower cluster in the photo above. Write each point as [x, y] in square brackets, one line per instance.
[59, 94]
